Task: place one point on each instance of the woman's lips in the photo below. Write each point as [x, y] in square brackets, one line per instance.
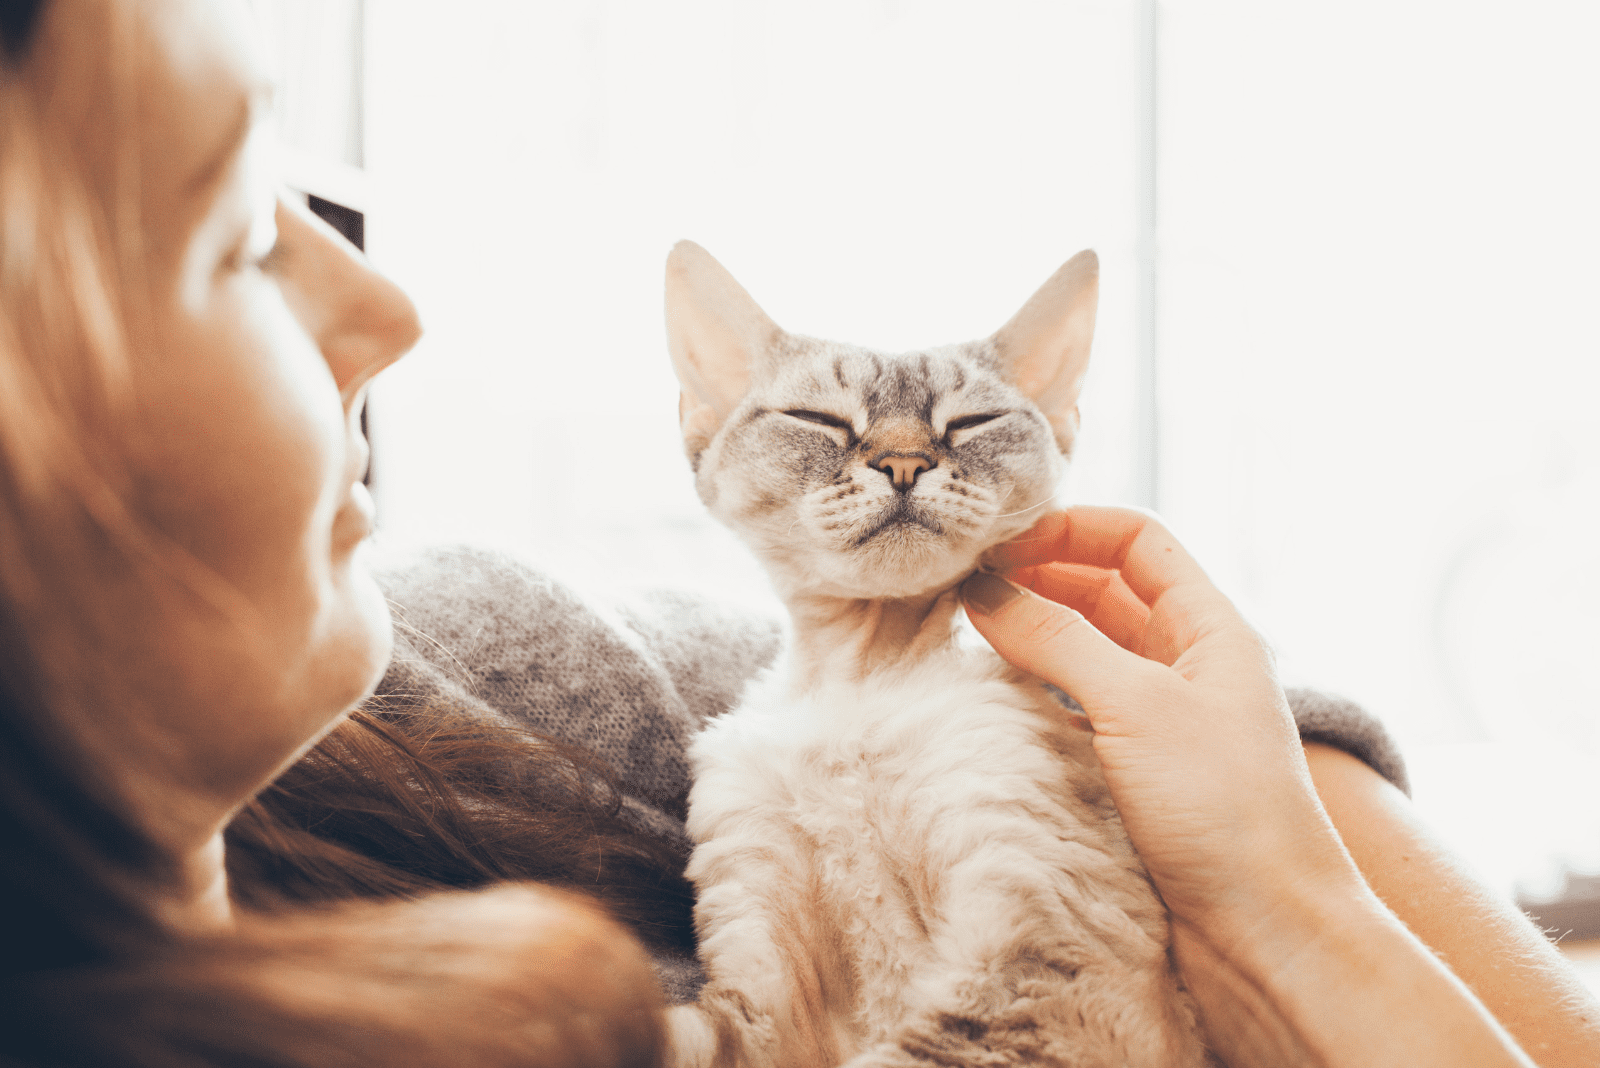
[355, 520]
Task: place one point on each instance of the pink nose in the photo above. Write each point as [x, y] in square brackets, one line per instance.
[903, 468]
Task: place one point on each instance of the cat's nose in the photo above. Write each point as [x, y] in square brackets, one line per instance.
[902, 467]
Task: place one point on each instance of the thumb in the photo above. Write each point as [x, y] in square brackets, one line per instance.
[1051, 641]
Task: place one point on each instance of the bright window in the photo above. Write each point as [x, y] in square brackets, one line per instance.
[1379, 365]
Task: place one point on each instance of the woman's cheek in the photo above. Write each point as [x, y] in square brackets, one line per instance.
[241, 433]
[343, 656]
[241, 450]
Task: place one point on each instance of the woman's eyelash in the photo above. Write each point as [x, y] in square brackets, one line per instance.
[242, 259]
[267, 261]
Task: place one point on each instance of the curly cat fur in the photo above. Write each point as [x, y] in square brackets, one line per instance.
[904, 855]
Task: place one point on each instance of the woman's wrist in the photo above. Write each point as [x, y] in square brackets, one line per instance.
[1331, 977]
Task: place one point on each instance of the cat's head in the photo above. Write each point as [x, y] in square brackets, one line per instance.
[856, 473]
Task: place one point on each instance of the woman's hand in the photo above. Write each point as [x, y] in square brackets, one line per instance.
[1291, 956]
[1190, 724]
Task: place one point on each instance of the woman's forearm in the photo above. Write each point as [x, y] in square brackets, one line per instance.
[1282, 921]
[1485, 940]
[1345, 984]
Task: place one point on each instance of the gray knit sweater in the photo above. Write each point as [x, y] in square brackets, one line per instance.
[631, 681]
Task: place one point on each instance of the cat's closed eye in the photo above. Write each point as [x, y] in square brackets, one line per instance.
[820, 418]
[965, 422]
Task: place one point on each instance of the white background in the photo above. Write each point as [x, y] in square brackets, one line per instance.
[1379, 374]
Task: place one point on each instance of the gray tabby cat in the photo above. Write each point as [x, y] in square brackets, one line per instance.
[905, 854]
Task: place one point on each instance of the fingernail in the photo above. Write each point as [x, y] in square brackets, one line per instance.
[988, 593]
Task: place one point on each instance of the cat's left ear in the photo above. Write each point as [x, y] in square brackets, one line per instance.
[1044, 349]
[717, 333]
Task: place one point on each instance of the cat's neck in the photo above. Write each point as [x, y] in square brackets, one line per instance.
[847, 639]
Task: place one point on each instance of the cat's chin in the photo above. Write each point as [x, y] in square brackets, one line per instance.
[890, 574]
[854, 575]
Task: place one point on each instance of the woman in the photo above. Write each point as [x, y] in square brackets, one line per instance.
[186, 614]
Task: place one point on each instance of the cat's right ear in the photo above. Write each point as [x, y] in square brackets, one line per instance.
[716, 333]
[1045, 346]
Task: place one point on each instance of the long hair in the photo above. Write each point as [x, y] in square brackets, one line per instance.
[380, 809]
[77, 873]
[319, 971]
[505, 978]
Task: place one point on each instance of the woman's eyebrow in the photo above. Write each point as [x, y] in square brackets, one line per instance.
[253, 106]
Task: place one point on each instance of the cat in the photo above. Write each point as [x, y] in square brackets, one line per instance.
[905, 852]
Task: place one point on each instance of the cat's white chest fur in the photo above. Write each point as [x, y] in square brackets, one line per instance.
[882, 849]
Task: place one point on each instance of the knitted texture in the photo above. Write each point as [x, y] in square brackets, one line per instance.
[480, 631]
[1346, 725]
[628, 682]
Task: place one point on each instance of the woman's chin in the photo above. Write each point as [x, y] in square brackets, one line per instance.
[361, 638]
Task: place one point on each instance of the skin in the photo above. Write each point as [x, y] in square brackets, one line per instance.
[254, 342]
[1312, 911]
[256, 330]
[249, 372]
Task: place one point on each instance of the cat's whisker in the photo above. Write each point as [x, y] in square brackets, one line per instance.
[1031, 507]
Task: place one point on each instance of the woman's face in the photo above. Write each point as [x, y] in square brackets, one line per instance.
[259, 331]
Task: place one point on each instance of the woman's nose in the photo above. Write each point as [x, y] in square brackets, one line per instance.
[362, 321]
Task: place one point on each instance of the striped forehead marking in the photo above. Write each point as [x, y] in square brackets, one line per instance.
[894, 387]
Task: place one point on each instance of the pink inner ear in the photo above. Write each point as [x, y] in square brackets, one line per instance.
[715, 329]
[1045, 346]
[699, 423]
[1036, 373]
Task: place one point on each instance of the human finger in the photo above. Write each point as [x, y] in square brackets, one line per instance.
[1152, 561]
[1116, 539]
[1102, 596]
[1051, 641]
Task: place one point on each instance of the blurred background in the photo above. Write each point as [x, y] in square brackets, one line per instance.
[1347, 343]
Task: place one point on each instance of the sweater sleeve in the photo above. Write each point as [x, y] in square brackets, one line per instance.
[1346, 725]
[628, 683]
